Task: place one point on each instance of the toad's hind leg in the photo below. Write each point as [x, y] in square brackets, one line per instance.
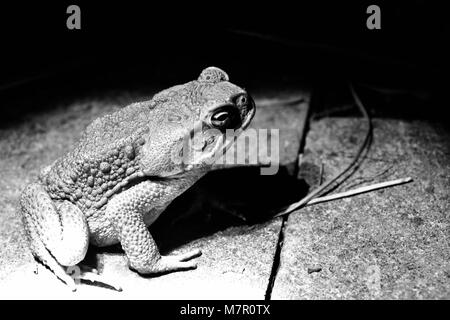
[57, 233]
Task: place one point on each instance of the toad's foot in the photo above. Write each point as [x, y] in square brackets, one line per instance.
[173, 263]
[179, 262]
[84, 274]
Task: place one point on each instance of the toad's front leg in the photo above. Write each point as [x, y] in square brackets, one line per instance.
[126, 211]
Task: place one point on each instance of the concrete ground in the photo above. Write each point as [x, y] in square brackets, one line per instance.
[387, 244]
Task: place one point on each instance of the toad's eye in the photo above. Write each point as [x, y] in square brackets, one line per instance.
[225, 118]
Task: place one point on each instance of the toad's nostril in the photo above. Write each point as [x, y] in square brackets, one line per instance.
[241, 99]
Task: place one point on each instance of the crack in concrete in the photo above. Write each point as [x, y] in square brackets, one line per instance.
[276, 260]
[280, 241]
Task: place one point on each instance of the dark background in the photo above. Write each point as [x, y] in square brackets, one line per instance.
[131, 44]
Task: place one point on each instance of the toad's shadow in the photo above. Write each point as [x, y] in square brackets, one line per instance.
[223, 198]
